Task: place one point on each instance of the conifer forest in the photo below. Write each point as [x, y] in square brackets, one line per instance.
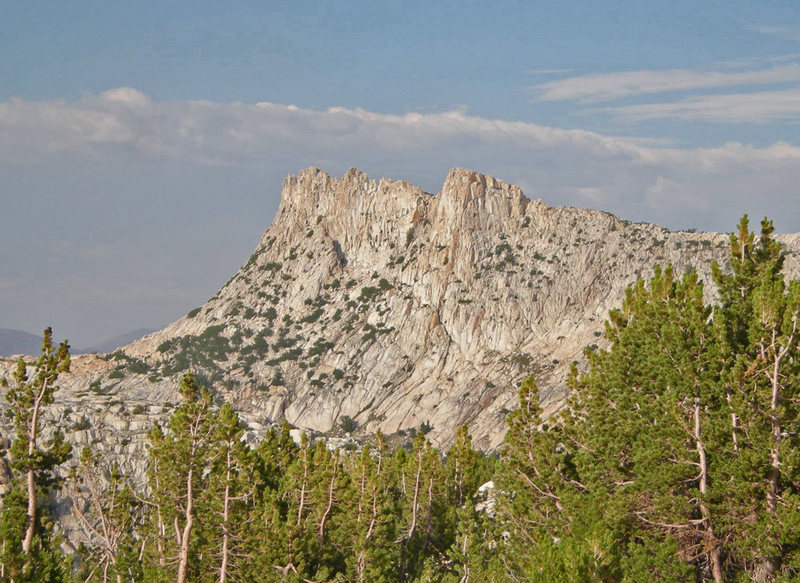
[675, 458]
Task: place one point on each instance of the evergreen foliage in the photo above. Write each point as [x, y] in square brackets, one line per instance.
[676, 459]
[29, 544]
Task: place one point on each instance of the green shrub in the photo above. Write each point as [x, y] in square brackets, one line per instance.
[347, 424]
[369, 293]
[136, 366]
[82, 424]
[320, 346]
[313, 316]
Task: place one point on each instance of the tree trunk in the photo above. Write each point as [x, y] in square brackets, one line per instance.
[362, 566]
[302, 503]
[464, 548]
[413, 527]
[183, 557]
[223, 568]
[329, 506]
[711, 540]
[429, 517]
[30, 521]
[162, 530]
[775, 456]
[734, 420]
[770, 564]
[30, 477]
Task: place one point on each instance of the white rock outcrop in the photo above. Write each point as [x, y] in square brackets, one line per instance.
[377, 305]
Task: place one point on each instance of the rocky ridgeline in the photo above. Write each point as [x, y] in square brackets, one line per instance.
[372, 304]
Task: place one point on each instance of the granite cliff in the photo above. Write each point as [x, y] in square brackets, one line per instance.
[372, 304]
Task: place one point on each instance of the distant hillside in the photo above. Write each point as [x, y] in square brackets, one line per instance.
[19, 342]
[115, 342]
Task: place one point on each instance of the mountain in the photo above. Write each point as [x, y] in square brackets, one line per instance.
[115, 342]
[374, 305]
[379, 305]
[19, 342]
[403, 310]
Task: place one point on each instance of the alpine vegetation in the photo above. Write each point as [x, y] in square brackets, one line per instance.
[674, 459]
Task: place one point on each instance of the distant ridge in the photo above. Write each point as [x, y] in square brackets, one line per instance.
[115, 342]
[14, 341]
[19, 342]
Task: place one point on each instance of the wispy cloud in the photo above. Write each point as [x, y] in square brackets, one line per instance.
[547, 71]
[758, 107]
[786, 31]
[564, 166]
[610, 86]
[756, 62]
[237, 133]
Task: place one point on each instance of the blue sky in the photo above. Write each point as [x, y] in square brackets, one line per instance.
[142, 144]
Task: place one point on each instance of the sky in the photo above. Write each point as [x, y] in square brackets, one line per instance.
[143, 144]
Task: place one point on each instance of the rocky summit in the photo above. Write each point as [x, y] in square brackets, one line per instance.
[374, 305]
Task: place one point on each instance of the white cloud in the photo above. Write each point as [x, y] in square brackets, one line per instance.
[623, 175]
[125, 96]
[758, 107]
[120, 189]
[609, 86]
[238, 133]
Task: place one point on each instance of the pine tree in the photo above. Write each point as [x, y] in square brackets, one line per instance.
[631, 460]
[28, 550]
[370, 517]
[328, 493]
[179, 464]
[758, 323]
[471, 539]
[538, 492]
[677, 458]
[647, 418]
[292, 522]
[465, 469]
[265, 541]
[109, 512]
[420, 505]
[226, 497]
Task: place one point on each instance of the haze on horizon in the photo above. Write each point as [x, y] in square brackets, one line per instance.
[142, 146]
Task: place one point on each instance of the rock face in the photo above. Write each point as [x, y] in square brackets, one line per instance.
[372, 304]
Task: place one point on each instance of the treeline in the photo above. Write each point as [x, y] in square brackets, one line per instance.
[216, 509]
[219, 510]
[675, 459]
